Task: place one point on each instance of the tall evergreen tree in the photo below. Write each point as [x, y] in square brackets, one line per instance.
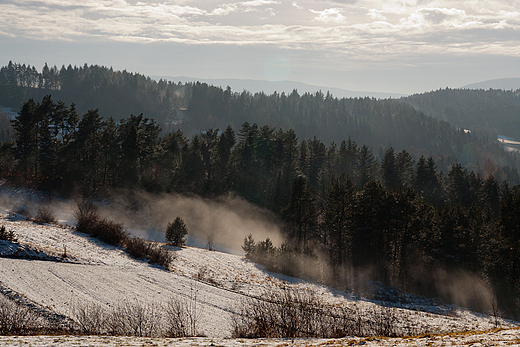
[390, 170]
[338, 219]
[367, 166]
[301, 213]
[89, 147]
[26, 137]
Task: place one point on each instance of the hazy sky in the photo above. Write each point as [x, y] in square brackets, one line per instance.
[394, 46]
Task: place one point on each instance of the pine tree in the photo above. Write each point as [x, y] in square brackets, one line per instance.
[389, 170]
[301, 214]
[367, 166]
[26, 136]
[338, 208]
[176, 232]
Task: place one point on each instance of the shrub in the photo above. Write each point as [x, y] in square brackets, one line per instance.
[178, 320]
[160, 255]
[109, 232]
[176, 232]
[7, 235]
[290, 313]
[91, 319]
[86, 216]
[16, 319]
[91, 223]
[138, 248]
[45, 215]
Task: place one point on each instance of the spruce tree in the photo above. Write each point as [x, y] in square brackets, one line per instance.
[176, 232]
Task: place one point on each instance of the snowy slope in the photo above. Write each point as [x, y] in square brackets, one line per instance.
[505, 337]
[93, 272]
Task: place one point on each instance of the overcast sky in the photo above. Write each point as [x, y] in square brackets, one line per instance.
[401, 46]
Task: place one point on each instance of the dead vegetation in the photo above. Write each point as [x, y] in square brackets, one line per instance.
[177, 318]
[288, 313]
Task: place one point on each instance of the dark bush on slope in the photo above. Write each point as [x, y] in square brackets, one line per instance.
[289, 313]
[16, 319]
[45, 215]
[90, 222]
[139, 248]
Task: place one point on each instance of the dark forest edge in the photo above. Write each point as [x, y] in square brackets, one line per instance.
[398, 221]
[193, 107]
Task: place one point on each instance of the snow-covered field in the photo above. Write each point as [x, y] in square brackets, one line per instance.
[503, 337]
[93, 272]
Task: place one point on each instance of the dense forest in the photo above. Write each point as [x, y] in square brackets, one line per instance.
[195, 107]
[486, 111]
[398, 216]
[430, 199]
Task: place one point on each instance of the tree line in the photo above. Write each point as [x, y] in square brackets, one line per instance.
[393, 213]
[487, 112]
[194, 107]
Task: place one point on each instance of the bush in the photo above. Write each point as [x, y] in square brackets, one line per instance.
[86, 216]
[178, 320]
[7, 235]
[160, 255]
[135, 318]
[138, 248]
[176, 232]
[89, 222]
[290, 313]
[16, 319]
[110, 232]
[90, 319]
[45, 215]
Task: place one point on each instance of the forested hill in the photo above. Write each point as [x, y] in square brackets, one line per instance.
[193, 107]
[495, 111]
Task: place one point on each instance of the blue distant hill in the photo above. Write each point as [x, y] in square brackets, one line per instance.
[500, 83]
[269, 87]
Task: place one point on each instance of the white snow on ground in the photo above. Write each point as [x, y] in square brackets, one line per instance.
[93, 272]
[502, 337]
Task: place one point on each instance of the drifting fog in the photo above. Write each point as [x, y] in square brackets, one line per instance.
[221, 223]
[224, 223]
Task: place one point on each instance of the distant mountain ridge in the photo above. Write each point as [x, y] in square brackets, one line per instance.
[499, 83]
[269, 87]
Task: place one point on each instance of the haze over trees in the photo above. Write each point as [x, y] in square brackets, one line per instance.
[486, 112]
[397, 216]
[196, 107]
[407, 211]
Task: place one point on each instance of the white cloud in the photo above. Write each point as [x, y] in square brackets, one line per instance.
[376, 15]
[329, 15]
[259, 2]
[377, 29]
[436, 16]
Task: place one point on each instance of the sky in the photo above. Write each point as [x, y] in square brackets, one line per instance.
[397, 46]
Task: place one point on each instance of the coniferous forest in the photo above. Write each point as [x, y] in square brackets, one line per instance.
[410, 209]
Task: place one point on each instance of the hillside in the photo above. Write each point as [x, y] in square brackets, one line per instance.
[500, 337]
[499, 83]
[195, 107]
[488, 112]
[60, 270]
